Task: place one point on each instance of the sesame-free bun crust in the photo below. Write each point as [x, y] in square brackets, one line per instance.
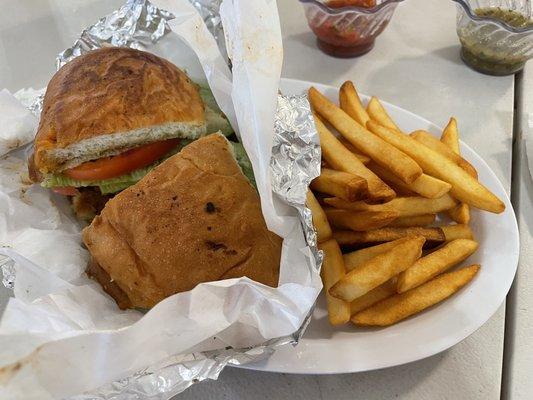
[194, 218]
[112, 99]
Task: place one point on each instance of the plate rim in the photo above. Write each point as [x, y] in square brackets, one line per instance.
[445, 345]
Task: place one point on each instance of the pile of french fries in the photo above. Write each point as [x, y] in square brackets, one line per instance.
[379, 195]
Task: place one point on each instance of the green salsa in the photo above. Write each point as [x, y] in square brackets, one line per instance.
[510, 17]
[484, 50]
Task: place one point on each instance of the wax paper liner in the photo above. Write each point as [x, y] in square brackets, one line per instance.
[46, 315]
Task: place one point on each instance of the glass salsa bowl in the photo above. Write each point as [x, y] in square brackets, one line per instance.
[348, 31]
[496, 35]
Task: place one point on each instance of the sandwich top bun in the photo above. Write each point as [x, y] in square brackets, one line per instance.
[109, 100]
[194, 218]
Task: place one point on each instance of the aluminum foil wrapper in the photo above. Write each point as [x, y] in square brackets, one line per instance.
[295, 162]
[295, 157]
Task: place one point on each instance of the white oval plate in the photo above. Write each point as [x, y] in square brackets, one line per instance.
[328, 350]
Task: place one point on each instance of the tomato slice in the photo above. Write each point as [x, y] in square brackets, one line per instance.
[66, 190]
[110, 167]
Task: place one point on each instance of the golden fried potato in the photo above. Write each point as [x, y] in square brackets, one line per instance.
[320, 221]
[332, 271]
[460, 213]
[427, 139]
[355, 258]
[378, 270]
[360, 220]
[342, 159]
[464, 187]
[386, 155]
[458, 231]
[350, 238]
[401, 306]
[341, 184]
[425, 185]
[404, 206]
[351, 103]
[377, 294]
[435, 263]
[377, 112]
[364, 159]
[450, 136]
[416, 221]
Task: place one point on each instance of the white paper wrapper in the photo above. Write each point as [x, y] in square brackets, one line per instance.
[60, 335]
[17, 122]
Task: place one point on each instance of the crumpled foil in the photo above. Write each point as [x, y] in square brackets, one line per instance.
[295, 157]
[295, 162]
[137, 24]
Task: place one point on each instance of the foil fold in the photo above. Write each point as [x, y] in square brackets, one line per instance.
[295, 162]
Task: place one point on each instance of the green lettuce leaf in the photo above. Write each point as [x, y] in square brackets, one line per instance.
[215, 118]
[244, 162]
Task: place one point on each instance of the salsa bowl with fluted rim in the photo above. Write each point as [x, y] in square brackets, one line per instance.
[348, 31]
[493, 41]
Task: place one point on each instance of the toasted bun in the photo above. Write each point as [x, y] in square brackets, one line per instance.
[194, 218]
[108, 100]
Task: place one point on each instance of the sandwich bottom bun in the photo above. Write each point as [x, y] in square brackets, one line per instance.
[195, 218]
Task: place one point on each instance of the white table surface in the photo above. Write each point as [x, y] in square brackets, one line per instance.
[415, 65]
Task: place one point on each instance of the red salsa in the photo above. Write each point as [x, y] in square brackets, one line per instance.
[347, 36]
[351, 3]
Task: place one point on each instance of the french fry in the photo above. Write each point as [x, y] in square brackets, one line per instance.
[377, 112]
[350, 238]
[460, 213]
[359, 221]
[320, 221]
[450, 136]
[404, 206]
[464, 187]
[378, 149]
[418, 220]
[341, 159]
[332, 271]
[401, 306]
[355, 258]
[458, 231]
[377, 294]
[342, 184]
[364, 159]
[425, 185]
[378, 270]
[351, 103]
[442, 259]
[401, 189]
[435, 234]
[427, 139]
